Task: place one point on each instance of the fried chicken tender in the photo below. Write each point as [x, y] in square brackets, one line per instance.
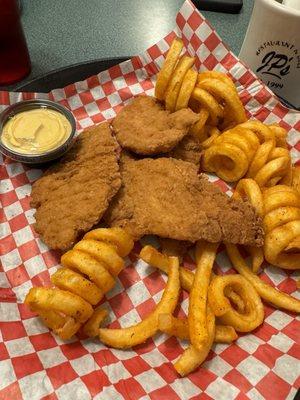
[174, 248]
[188, 149]
[145, 128]
[74, 193]
[168, 198]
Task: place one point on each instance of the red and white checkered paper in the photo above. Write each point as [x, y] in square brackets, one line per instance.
[35, 364]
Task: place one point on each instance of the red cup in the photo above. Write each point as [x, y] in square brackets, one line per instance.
[14, 56]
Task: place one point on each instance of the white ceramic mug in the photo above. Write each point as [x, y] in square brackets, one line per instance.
[271, 48]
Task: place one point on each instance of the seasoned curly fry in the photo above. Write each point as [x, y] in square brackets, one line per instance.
[208, 102]
[128, 337]
[179, 327]
[274, 168]
[282, 226]
[205, 256]
[204, 75]
[197, 128]
[187, 87]
[114, 236]
[232, 153]
[250, 149]
[249, 189]
[167, 69]
[253, 314]
[296, 178]
[92, 326]
[267, 292]
[192, 357]
[220, 90]
[153, 257]
[173, 326]
[278, 240]
[226, 160]
[262, 131]
[212, 133]
[64, 326]
[225, 334]
[158, 260]
[88, 272]
[172, 92]
[280, 135]
[212, 94]
[102, 252]
[66, 279]
[260, 158]
[40, 298]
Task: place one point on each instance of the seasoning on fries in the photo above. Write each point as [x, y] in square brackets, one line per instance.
[192, 357]
[128, 337]
[179, 327]
[253, 314]
[267, 292]
[282, 226]
[92, 326]
[88, 272]
[252, 149]
[205, 256]
[165, 73]
[248, 189]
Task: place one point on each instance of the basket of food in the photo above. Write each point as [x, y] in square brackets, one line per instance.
[159, 257]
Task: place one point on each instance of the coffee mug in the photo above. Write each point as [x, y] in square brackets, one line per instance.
[271, 48]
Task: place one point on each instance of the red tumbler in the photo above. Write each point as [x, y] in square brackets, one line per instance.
[14, 56]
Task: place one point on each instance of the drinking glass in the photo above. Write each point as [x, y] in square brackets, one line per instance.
[14, 56]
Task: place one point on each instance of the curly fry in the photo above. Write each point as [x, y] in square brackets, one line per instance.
[179, 327]
[280, 135]
[208, 102]
[282, 225]
[187, 87]
[253, 315]
[88, 272]
[193, 358]
[140, 332]
[197, 128]
[249, 189]
[167, 69]
[205, 256]
[184, 64]
[260, 158]
[296, 178]
[92, 326]
[278, 240]
[267, 292]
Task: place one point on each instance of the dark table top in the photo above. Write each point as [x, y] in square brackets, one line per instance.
[61, 33]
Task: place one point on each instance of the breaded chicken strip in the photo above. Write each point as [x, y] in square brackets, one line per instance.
[168, 198]
[145, 128]
[73, 194]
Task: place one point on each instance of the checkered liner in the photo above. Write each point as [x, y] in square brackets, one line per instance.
[35, 364]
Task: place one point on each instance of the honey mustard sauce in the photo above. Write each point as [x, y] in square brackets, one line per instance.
[36, 131]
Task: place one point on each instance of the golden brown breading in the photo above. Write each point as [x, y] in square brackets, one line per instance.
[168, 198]
[145, 128]
[73, 194]
[174, 248]
[188, 149]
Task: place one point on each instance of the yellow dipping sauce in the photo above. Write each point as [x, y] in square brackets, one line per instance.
[36, 131]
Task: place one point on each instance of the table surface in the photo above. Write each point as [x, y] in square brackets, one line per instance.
[61, 33]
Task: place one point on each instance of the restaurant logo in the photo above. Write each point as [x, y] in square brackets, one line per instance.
[278, 59]
[275, 64]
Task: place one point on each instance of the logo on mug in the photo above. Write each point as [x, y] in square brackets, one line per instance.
[278, 59]
[275, 64]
